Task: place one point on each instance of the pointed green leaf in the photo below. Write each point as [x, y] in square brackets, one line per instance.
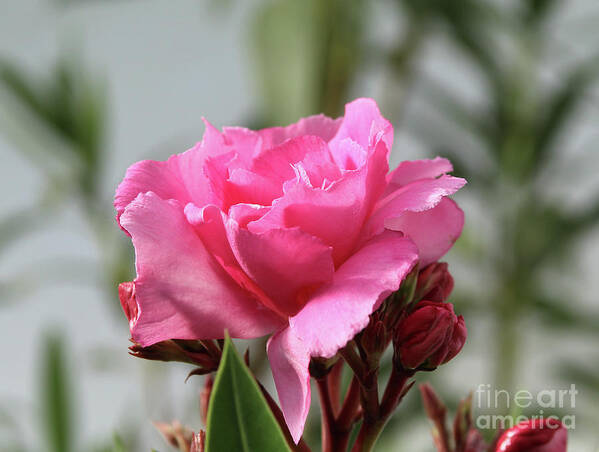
[239, 418]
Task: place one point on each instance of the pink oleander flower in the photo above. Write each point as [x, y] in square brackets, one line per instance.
[300, 232]
[537, 435]
[430, 336]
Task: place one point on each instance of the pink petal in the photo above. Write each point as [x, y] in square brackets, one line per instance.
[181, 291]
[245, 142]
[339, 310]
[434, 231]
[287, 264]
[349, 155]
[363, 124]
[417, 196]
[276, 164]
[334, 214]
[163, 178]
[192, 176]
[319, 125]
[320, 169]
[413, 170]
[243, 213]
[289, 362]
[244, 186]
[209, 224]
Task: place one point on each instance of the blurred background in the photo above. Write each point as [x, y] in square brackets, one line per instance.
[506, 89]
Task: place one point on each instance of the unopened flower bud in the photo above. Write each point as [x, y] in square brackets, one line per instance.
[429, 336]
[536, 435]
[374, 339]
[435, 283]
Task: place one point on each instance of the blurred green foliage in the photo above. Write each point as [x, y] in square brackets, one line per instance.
[70, 106]
[307, 56]
[56, 396]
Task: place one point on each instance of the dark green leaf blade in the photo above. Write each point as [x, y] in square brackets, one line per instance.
[239, 418]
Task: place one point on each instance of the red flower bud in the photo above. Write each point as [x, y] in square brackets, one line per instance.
[536, 435]
[435, 283]
[430, 336]
[458, 339]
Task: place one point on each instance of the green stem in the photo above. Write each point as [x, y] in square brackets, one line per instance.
[369, 434]
[372, 427]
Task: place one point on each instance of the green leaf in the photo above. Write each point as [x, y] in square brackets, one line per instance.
[56, 400]
[239, 418]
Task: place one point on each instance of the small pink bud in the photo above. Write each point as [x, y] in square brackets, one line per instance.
[430, 336]
[536, 435]
[435, 283]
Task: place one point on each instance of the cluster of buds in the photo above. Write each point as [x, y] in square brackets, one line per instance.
[426, 330]
[423, 326]
[425, 333]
